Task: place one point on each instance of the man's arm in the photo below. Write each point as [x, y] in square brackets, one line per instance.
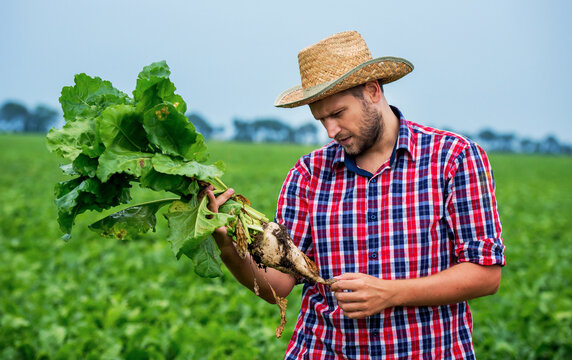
[246, 270]
[361, 295]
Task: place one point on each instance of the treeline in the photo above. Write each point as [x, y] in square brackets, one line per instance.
[16, 117]
[510, 143]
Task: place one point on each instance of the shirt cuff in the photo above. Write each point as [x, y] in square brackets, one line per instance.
[483, 252]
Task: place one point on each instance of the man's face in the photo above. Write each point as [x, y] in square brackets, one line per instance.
[354, 123]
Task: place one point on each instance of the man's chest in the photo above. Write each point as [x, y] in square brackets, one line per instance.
[391, 225]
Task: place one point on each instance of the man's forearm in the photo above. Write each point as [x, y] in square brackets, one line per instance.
[459, 283]
[361, 295]
[245, 270]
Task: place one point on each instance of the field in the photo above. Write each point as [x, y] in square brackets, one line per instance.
[94, 298]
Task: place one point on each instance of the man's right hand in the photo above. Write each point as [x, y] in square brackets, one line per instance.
[245, 270]
[220, 235]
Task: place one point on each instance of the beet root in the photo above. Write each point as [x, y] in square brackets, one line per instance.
[274, 248]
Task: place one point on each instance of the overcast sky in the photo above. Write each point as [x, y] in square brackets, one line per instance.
[478, 64]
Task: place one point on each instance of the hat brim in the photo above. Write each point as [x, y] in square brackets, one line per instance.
[388, 69]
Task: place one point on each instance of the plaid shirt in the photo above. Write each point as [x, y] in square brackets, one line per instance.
[430, 206]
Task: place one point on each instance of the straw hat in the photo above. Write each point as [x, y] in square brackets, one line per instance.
[337, 63]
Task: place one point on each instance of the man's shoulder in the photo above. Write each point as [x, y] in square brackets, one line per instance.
[445, 147]
[438, 134]
[322, 158]
[434, 139]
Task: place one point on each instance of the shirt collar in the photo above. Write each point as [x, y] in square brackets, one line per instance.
[405, 141]
[406, 138]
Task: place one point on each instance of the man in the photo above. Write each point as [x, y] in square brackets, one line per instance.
[403, 216]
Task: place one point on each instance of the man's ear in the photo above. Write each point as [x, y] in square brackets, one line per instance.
[372, 91]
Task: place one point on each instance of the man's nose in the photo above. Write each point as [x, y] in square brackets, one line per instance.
[331, 127]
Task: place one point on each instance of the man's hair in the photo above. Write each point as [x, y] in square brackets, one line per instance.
[357, 91]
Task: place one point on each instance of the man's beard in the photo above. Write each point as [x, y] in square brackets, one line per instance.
[370, 130]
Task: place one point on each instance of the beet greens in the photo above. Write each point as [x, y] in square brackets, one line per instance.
[113, 141]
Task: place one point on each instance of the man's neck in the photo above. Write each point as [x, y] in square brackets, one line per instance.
[381, 151]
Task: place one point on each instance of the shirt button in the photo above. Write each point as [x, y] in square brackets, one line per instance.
[373, 255]
[373, 180]
[373, 217]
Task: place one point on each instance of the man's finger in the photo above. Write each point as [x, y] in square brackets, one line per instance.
[345, 297]
[347, 285]
[349, 276]
[222, 198]
[212, 206]
[350, 296]
[216, 201]
[352, 306]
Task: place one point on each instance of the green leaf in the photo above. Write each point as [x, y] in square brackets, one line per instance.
[78, 195]
[154, 87]
[89, 96]
[68, 200]
[69, 170]
[176, 184]
[190, 223]
[82, 104]
[84, 165]
[75, 138]
[172, 132]
[114, 162]
[133, 220]
[192, 169]
[230, 207]
[67, 192]
[120, 127]
[207, 259]
[114, 191]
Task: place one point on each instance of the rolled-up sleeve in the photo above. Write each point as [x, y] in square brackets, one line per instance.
[292, 208]
[472, 211]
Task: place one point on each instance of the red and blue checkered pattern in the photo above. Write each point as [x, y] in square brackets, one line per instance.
[432, 205]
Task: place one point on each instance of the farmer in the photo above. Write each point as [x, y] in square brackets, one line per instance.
[403, 216]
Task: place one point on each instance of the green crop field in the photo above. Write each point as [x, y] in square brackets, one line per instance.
[96, 298]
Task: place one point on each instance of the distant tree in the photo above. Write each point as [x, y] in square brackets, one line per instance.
[203, 126]
[262, 130]
[13, 115]
[307, 134]
[566, 149]
[550, 145]
[272, 130]
[17, 117]
[528, 146]
[487, 135]
[506, 142]
[40, 120]
[243, 131]
[488, 138]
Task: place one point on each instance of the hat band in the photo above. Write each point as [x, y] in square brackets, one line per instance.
[323, 87]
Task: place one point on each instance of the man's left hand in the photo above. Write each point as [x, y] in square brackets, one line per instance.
[361, 295]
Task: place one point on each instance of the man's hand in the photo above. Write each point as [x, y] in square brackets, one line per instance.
[361, 295]
[220, 235]
[244, 269]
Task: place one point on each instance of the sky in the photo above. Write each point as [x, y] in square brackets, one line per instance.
[478, 64]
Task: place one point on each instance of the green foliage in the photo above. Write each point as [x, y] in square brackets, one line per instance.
[99, 298]
[191, 223]
[136, 219]
[531, 316]
[113, 140]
